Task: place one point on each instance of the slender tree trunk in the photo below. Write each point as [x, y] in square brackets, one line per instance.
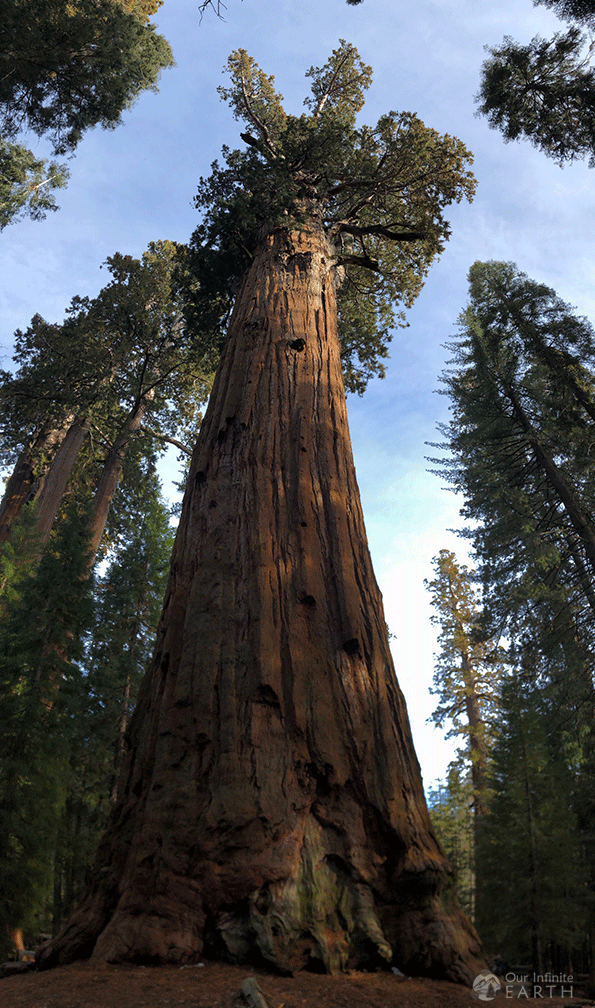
[112, 470]
[19, 487]
[577, 515]
[57, 478]
[272, 807]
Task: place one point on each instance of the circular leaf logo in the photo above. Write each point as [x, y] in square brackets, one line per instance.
[486, 986]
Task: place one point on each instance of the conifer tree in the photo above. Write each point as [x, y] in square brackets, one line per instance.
[65, 67]
[468, 671]
[545, 91]
[530, 865]
[451, 811]
[121, 365]
[127, 604]
[270, 744]
[40, 684]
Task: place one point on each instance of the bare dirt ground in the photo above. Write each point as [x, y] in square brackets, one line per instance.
[217, 985]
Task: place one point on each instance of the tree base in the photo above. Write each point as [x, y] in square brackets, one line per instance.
[325, 918]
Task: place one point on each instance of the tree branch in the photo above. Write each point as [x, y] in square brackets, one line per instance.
[382, 232]
[165, 437]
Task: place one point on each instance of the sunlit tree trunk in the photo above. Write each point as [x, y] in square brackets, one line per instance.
[22, 480]
[58, 477]
[272, 807]
[112, 470]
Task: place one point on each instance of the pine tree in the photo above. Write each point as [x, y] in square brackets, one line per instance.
[451, 811]
[522, 392]
[120, 361]
[270, 744]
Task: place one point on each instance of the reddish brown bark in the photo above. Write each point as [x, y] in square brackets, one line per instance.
[19, 488]
[112, 470]
[272, 807]
[57, 478]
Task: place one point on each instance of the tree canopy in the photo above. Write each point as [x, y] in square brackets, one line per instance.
[545, 91]
[65, 67]
[378, 192]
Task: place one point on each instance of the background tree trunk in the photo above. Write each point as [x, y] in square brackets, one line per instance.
[272, 807]
[112, 470]
[19, 487]
[57, 478]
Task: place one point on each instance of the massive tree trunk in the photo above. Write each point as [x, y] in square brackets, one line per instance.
[272, 807]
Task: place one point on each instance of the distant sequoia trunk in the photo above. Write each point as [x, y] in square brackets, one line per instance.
[271, 808]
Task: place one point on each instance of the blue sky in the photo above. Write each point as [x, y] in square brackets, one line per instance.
[135, 184]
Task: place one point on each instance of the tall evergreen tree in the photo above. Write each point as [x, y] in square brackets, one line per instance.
[65, 67]
[270, 743]
[521, 387]
[523, 394]
[468, 671]
[451, 811]
[128, 599]
[531, 872]
[119, 361]
[40, 683]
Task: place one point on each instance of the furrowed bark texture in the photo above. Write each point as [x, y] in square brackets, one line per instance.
[272, 809]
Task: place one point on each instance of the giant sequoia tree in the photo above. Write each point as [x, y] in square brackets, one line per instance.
[271, 808]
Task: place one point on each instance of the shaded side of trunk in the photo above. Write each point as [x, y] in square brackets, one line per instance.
[272, 807]
[112, 470]
[21, 483]
[57, 478]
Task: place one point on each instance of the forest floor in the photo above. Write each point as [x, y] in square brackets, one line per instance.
[217, 985]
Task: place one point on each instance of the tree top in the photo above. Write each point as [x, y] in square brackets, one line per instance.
[377, 191]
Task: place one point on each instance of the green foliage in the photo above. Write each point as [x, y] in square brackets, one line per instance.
[530, 866]
[26, 184]
[582, 11]
[128, 602]
[69, 673]
[451, 811]
[544, 91]
[523, 407]
[68, 66]
[469, 667]
[523, 398]
[378, 193]
[65, 67]
[40, 642]
[127, 343]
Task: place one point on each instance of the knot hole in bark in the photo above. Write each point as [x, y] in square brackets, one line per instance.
[223, 431]
[351, 646]
[298, 344]
[309, 601]
[321, 775]
[265, 694]
[303, 260]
